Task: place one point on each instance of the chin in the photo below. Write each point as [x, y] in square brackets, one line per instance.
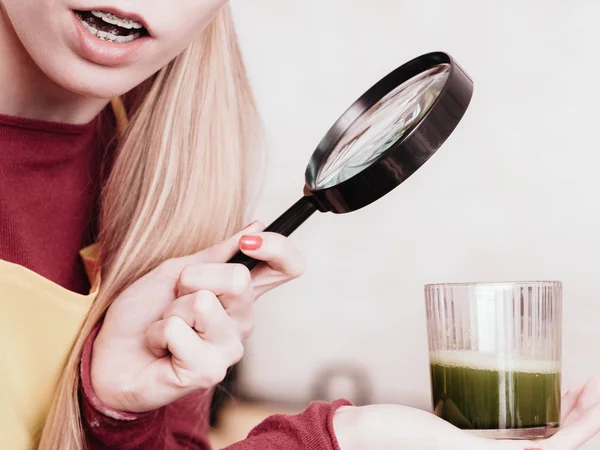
[89, 80]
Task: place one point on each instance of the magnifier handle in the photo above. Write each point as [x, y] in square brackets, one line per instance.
[285, 225]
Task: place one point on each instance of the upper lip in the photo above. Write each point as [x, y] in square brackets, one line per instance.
[123, 14]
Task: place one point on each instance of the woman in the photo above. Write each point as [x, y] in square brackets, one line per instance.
[128, 126]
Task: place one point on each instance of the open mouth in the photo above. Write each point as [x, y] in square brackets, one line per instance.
[110, 27]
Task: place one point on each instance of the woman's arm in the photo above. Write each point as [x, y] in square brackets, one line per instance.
[341, 427]
[311, 430]
[107, 428]
[398, 427]
[184, 424]
[175, 331]
[393, 427]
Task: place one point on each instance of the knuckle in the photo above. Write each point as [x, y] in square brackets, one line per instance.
[246, 330]
[206, 377]
[298, 268]
[203, 303]
[214, 376]
[240, 279]
[168, 268]
[237, 352]
[171, 327]
[187, 277]
[219, 374]
[229, 328]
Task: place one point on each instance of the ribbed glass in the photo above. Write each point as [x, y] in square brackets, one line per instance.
[495, 356]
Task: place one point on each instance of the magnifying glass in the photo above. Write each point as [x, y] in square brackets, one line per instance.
[381, 140]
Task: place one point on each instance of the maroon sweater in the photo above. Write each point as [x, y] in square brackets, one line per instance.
[50, 177]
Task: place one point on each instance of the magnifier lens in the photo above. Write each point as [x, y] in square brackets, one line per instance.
[382, 126]
[385, 136]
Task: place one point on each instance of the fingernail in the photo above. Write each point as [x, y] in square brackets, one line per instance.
[249, 225]
[251, 242]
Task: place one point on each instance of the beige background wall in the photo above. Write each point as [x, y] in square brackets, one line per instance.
[513, 195]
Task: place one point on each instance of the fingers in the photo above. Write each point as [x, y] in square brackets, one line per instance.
[174, 336]
[276, 250]
[232, 283]
[577, 433]
[223, 251]
[194, 362]
[589, 396]
[581, 416]
[283, 263]
[568, 403]
[513, 445]
[203, 312]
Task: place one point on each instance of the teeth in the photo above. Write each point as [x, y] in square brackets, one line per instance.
[116, 20]
[92, 30]
[104, 36]
[124, 39]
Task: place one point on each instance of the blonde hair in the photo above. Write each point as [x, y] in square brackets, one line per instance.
[179, 183]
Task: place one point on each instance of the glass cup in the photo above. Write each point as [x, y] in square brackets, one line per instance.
[495, 356]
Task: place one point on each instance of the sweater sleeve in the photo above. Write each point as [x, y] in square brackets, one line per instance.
[106, 428]
[184, 424]
[310, 430]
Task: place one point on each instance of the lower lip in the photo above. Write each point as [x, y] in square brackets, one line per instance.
[105, 53]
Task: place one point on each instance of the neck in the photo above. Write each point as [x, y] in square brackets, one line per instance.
[27, 92]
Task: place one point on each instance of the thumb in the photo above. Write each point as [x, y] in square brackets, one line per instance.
[223, 251]
[578, 433]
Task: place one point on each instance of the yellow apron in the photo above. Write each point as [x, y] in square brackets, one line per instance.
[39, 322]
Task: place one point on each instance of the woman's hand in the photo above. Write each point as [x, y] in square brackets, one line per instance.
[180, 327]
[392, 427]
[580, 419]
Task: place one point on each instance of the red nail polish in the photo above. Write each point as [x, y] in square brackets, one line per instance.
[249, 225]
[251, 242]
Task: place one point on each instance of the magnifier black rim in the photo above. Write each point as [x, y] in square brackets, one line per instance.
[376, 93]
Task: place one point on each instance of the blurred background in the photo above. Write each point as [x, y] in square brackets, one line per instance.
[514, 194]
